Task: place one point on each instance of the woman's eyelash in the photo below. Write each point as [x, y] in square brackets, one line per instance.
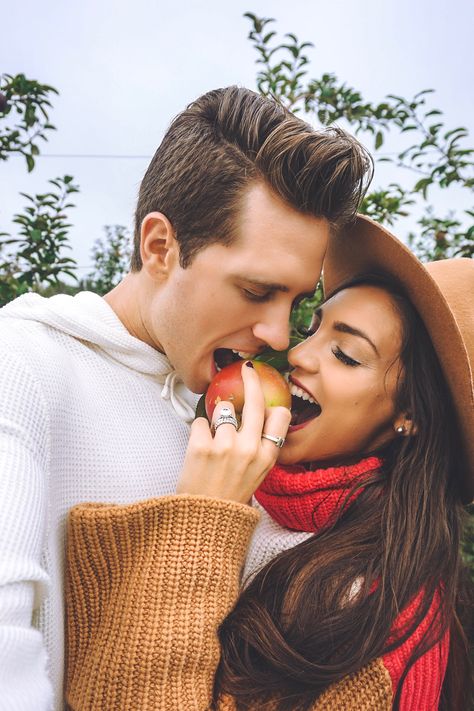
[307, 331]
[347, 360]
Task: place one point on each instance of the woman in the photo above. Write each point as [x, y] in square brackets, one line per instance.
[364, 613]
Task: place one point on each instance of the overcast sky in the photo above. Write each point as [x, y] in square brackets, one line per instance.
[124, 69]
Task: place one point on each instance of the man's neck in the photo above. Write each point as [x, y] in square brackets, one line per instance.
[124, 300]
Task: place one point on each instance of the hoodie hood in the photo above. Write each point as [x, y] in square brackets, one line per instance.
[89, 318]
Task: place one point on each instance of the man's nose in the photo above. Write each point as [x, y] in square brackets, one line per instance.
[275, 332]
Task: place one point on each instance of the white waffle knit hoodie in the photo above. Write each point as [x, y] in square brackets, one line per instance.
[87, 413]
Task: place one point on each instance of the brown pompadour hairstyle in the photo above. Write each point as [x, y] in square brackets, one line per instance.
[230, 138]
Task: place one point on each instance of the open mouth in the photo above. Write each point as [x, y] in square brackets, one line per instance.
[303, 405]
[227, 356]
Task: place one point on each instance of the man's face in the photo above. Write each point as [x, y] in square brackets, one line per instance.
[238, 297]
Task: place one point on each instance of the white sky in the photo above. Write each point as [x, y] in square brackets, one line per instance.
[124, 69]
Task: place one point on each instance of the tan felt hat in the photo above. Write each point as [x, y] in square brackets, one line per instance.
[443, 294]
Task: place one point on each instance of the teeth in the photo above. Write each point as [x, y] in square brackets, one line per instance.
[299, 392]
[243, 355]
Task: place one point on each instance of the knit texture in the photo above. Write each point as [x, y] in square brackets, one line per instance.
[422, 687]
[82, 418]
[307, 500]
[366, 690]
[87, 413]
[311, 499]
[147, 586]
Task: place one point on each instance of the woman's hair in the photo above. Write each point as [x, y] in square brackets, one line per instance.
[301, 624]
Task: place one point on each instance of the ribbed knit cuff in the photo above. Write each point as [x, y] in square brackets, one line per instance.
[146, 588]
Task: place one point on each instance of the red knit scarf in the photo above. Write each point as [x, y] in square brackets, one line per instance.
[306, 500]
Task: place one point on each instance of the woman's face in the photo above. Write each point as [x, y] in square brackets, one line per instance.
[349, 365]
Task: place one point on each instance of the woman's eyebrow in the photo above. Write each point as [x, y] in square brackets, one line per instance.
[345, 328]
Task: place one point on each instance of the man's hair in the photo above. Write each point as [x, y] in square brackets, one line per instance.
[231, 138]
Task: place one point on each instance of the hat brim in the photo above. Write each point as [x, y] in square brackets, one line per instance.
[366, 247]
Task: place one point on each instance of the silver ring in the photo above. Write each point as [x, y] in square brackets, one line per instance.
[278, 441]
[226, 417]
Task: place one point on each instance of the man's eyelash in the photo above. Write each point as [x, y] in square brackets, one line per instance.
[347, 360]
[252, 296]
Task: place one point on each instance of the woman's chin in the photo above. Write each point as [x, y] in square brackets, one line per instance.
[288, 455]
[319, 459]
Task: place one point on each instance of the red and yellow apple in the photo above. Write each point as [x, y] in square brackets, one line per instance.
[227, 384]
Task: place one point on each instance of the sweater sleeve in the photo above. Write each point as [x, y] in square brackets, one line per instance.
[24, 444]
[147, 585]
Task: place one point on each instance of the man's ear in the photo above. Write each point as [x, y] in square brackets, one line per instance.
[159, 249]
[404, 425]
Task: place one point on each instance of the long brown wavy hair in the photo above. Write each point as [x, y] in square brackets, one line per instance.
[296, 628]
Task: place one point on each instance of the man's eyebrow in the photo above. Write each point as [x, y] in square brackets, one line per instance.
[345, 328]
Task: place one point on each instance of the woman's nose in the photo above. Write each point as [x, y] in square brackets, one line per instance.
[304, 356]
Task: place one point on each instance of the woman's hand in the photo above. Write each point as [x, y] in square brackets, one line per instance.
[232, 464]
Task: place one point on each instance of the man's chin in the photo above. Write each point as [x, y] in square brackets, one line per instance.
[194, 387]
[196, 384]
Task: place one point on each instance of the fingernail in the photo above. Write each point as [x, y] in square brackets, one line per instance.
[249, 364]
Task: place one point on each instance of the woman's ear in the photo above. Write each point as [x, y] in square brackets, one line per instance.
[404, 425]
[159, 249]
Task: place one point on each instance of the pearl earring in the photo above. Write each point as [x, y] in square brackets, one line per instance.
[401, 429]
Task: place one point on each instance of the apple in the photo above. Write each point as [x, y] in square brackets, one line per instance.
[227, 384]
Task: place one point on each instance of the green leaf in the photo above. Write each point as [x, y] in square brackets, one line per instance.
[35, 235]
[378, 139]
[30, 162]
[278, 359]
[422, 186]
[28, 197]
[461, 131]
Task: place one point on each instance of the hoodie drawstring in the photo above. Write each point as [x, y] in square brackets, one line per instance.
[169, 392]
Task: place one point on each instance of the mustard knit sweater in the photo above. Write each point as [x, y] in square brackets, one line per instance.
[147, 586]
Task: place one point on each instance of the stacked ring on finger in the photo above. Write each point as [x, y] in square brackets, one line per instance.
[277, 441]
[226, 417]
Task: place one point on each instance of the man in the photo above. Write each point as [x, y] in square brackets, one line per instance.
[232, 223]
